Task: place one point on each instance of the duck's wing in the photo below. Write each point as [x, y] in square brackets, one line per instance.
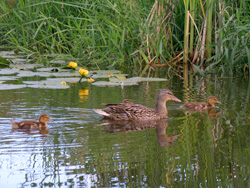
[131, 111]
[112, 111]
[25, 124]
[126, 111]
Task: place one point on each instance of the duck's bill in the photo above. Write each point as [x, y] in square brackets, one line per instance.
[50, 120]
[218, 102]
[176, 99]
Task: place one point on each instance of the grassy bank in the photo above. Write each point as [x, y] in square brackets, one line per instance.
[145, 36]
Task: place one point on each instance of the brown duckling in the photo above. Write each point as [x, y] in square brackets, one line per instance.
[125, 101]
[31, 124]
[130, 111]
[199, 106]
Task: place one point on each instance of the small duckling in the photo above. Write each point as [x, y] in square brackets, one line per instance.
[31, 124]
[199, 106]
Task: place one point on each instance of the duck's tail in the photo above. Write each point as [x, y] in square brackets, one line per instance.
[100, 111]
[14, 124]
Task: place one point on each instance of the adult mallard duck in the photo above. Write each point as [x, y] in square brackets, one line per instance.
[199, 106]
[31, 124]
[130, 111]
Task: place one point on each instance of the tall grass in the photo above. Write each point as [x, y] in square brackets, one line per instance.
[143, 35]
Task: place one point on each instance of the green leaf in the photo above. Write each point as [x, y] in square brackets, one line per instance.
[248, 57]
[199, 70]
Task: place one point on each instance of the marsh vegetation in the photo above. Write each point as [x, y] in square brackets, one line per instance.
[180, 37]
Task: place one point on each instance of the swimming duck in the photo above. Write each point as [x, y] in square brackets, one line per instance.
[199, 106]
[31, 124]
[130, 111]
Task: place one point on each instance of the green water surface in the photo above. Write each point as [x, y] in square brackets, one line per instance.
[209, 149]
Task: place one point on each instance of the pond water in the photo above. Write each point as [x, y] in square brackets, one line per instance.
[208, 149]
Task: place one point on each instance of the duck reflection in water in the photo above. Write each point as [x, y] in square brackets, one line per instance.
[43, 131]
[163, 138]
[114, 126]
[132, 126]
[211, 112]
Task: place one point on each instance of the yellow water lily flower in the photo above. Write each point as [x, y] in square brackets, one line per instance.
[83, 72]
[90, 80]
[63, 83]
[72, 65]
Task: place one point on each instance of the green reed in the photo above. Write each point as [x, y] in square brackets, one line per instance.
[145, 36]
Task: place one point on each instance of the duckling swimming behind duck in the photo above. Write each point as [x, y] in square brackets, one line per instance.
[130, 111]
[31, 124]
[201, 105]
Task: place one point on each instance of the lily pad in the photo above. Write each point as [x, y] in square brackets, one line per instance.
[49, 69]
[25, 65]
[143, 79]
[19, 60]
[113, 81]
[51, 83]
[48, 74]
[11, 55]
[49, 86]
[5, 78]
[44, 86]
[104, 73]
[8, 71]
[106, 83]
[66, 74]
[74, 79]
[32, 74]
[11, 86]
[60, 62]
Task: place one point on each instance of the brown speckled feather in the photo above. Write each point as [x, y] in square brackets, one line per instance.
[130, 111]
[195, 105]
[28, 124]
